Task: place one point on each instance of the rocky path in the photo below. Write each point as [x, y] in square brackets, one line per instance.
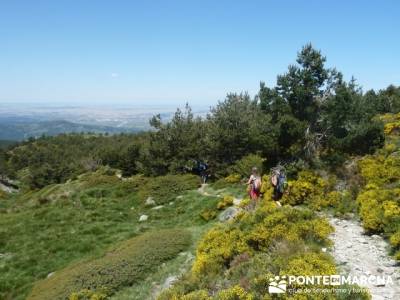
[361, 255]
[202, 189]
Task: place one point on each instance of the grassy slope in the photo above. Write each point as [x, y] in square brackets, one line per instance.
[47, 230]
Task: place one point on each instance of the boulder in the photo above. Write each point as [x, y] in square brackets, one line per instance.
[143, 218]
[228, 214]
[158, 207]
[150, 201]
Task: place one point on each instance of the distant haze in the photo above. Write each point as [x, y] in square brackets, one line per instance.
[19, 121]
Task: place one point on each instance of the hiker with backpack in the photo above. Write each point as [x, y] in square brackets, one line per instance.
[254, 183]
[203, 171]
[278, 181]
[200, 168]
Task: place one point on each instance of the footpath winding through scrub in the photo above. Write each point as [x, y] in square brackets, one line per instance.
[361, 255]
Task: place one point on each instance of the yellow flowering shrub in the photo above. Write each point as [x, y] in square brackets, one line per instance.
[87, 294]
[310, 263]
[208, 214]
[266, 188]
[389, 148]
[391, 122]
[217, 248]
[379, 200]
[371, 210]
[391, 209]
[312, 190]
[172, 294]
[197, 295]
[372, 169]
[290, 225]
[395, 239]
[331, 199]
[225, 202]
[234, 293]
[393, 126]
[233, 178]
[245, 202]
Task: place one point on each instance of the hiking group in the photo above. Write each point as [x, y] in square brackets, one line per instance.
[278, 181]
[277, 177]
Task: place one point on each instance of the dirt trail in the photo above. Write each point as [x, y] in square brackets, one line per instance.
[202, 189]
[359, 255]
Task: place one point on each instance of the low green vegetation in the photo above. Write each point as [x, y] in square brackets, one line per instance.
[46, 230]
[121, 266]
[164, 188]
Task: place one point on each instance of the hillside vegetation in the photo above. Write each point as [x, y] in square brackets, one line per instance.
[99, 216]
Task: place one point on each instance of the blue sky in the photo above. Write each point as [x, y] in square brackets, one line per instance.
[169, 52]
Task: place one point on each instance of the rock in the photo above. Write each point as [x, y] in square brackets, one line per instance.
[379, 270]
[169, 281]
[228, 214]
[237, 201]
[388, 265]
[50, 274]
[143, 218]
[150, 201]
[158, 207]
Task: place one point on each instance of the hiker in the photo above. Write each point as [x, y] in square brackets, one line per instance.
[254, 183]
[202, 168]
[278, 181]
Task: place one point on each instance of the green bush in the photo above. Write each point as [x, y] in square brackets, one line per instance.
[121, 266]
[165, 188]
[245, 164]
[208, 214]
[365, 138]
[221, 183]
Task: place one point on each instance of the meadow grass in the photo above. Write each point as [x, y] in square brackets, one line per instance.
[47, 230]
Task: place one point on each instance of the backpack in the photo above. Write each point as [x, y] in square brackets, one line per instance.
[203, 166]
[257, 184]
[282, 183]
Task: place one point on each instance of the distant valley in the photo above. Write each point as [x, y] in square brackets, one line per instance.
[20, 121]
